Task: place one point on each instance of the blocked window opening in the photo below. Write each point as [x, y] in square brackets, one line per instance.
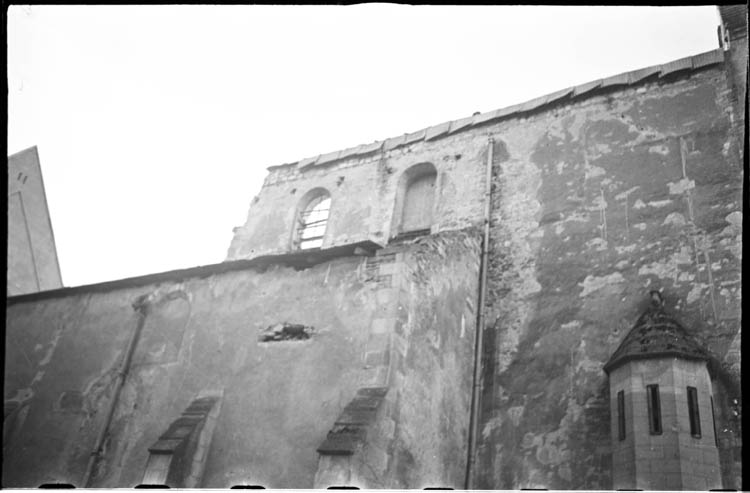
[312, 221]
[693, 413]
[285, 332]
[621, 415]
[418, 203]
[654, 409]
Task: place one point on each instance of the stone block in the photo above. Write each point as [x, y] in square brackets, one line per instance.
[199, 453]
[370, 402]
[378, 342]
[165, 445]
[667, 466]
[382, 325]
[374, 377]
[693, 482]
[386, 296]
[673, 481]
[344, 442]
[642, 466]
[387, 268]
[657, 481]
[711, 455]
[356, 416]
[333, 470]
[372, 392]
[377, 358]
[376, 461]
[690, 454]
[649, 453]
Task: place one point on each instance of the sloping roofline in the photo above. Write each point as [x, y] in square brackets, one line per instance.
[298, 259]
[633, 77]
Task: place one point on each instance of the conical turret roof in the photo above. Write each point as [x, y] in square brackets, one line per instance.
[656, 334]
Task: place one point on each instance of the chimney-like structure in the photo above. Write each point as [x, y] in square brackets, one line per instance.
[661, 403]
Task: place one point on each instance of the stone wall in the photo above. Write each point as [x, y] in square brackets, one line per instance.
[595, 203]
[363, 195]
[285, 350]
[200, 334]
[671, 459]
[408, 426]
[595, 200]
[32, 255]
[427, 406]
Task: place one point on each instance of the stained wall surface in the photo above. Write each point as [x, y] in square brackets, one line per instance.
[201, 334]
[364, 195]
[32, 256]
[595, 203]
[420, 439]
[280, 398]
[595, 199]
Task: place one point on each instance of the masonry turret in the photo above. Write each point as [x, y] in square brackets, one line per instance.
[661, 403]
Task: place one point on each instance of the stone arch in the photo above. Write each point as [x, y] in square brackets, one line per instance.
[311, 219]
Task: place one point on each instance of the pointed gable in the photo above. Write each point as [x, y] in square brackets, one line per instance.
[656, 334]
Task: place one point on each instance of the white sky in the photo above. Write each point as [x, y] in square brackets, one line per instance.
[155, 124]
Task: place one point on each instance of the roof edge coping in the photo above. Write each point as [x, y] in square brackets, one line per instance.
[432, 132]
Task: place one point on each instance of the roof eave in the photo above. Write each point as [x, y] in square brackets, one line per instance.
[621, 360]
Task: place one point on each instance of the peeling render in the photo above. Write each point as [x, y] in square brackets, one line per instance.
[594, 199]
[629, 208]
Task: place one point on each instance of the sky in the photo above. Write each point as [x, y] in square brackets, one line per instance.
[155, 124]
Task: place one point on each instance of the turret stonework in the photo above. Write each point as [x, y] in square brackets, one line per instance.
[661, 404]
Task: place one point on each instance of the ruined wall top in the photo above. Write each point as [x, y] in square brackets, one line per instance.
[367, 185]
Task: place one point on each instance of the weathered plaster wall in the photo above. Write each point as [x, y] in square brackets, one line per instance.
[363, 195]
[420, 440]
[594, 203]
[419, 363]
[32, 256]
[200, 334]
[409, 311]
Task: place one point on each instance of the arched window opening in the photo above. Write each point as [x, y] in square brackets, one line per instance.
[417, 199]
[312, 222]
